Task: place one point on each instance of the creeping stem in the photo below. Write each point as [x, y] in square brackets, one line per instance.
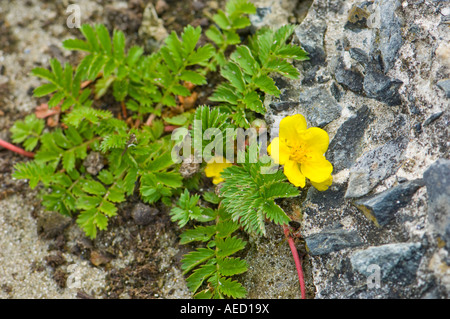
[297, 260]
[15, 149]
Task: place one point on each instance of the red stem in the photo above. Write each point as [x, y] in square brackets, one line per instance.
[297, 260]
[170, 128]
[15, 149]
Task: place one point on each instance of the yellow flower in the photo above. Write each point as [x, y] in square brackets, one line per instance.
[214, 168]
[301, 151]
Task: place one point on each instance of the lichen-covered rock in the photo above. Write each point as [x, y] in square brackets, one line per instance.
[328, 241]
[381, 207]
[398, 263]
[376, 81]
[375, 166]
[437, 180]
[345, 147]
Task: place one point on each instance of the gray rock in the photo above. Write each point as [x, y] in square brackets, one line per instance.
[94, 163]
[437, 180]
[332, 198]
[374, 166]
[345, 147]
[310, 35]
[349, 78]
[432, 118]
[390, 35]
[358, 15]
[152, 31]
[328, 241]
[318, 106]
[360, 56]
[398, 262]
[143, 214]
[444, 85]
[283, 105]
[381, 208]
[381, 87]
[257, 19]
[376, 84]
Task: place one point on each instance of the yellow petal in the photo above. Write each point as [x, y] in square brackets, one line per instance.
[290, 126]
[324, 185]
[316, 168]
[315, 139]
[279, 151]
[217, 179]
[292, 172]
[215, 166]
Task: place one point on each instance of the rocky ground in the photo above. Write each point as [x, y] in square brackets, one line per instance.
[377, 82]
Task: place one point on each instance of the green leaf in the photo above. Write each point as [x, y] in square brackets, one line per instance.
[90, 36]
[240, 22]
[267, 85]
[76, 44]
[229, 246]
[211, 197]
[248, 194]
[106, 177]
[193, 77]
[243, 56]
[44, 74]
[214, 35]
[186, 209]
[235, 7]
[190, 37]
[221, 20]
[226, 228]
[231, 266]
[96, 66]
[134, 54]
[195, 258]
[225, 93]
[233, 74]
[93, 187]
[57, 69]
[280, 190]
[179, 120]
[56, 99]
[91, 220]
[170, 179]
[231, 288]
[104, 38]
[118, 45]
[292, 52]
[281, 35]
[169, 100]
[274, 213]
[283, 67]
[116, 195]
[34, 172]
[69, 160]
[180, 90]
[30, 127]
[254, 103]
[196, 279]
[120, 89]
[88, 202]
[108, 208]
[44, 89]
[161, 162]
[202, 55]
[200, 233]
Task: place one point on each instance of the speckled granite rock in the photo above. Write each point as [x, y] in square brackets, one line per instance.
[385, 64]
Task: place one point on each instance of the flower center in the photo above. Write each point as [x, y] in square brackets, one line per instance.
[298, 153]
